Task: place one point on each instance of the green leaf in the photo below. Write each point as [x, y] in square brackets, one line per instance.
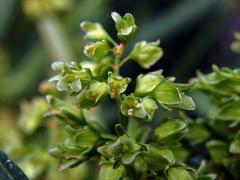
[146, 54]
[170, 132]
[178, 173]
[107, 172]
[147, 82]
[159, 158]
[97, 50]
[164, 93]
[125, 26]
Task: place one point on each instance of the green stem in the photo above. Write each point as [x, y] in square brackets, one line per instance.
[111, 40]
[116, 65]
[124, 61]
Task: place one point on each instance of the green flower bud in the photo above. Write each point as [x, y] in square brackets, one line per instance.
[150, 106]
[170, 132]
[146, 54]
[133, 107]
[97, 50]
[147, 82]
[91, 94]
[117, 84]
[125, 26]
[165, 93]
[93, 31]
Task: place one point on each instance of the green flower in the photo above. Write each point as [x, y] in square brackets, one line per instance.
[91, 94]
[117, 84]
[97, 50]
[133, 107]
[93, 31]
[146, 54]
[71, 76]
[125, 26]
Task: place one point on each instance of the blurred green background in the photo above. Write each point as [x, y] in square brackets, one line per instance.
[33, 33]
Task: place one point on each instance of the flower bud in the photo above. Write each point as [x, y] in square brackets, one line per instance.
[93, 31]
[97, 50]
[91, 94]
[146, 54]
[147, 82]
[125, 26]
[117, 84]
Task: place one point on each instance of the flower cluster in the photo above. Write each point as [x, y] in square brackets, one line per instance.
[135, 144]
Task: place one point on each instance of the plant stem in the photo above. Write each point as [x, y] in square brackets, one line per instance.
[124, 61]
[116, 65]
[112, 41]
